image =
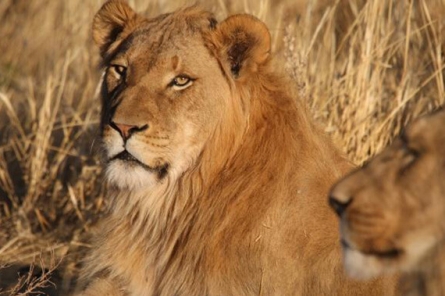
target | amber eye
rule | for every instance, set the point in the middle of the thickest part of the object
(118, 71)
(181, 82)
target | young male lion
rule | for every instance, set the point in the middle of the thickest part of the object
(392, 211)
(217, 178)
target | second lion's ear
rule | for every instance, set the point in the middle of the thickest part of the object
(243, 42)
(112, 21)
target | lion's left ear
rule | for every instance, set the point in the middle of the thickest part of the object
(243, 42)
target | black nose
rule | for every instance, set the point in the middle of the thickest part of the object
(338, 206)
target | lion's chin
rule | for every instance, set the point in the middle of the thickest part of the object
(131, 175)
(367, 265)
(361, 266)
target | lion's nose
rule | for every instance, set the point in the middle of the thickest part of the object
(339, 206)
(126, 130)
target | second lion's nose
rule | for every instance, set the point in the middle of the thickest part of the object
(338, 206)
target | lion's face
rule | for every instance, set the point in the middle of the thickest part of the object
(165, 90)
(392, 210)
(161, 107)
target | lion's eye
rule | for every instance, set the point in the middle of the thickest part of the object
(411, 152)
(407, 148)
(118, 71)
(181, 82)
(410, 155)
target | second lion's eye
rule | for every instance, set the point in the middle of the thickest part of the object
(409, 154)
(407, 147)
(181, 82)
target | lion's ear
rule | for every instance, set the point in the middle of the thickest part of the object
(114, 18)
(243, 41)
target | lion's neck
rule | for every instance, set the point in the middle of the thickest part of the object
(435, 274)
(149, 219)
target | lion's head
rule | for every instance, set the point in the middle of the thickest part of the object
(170, 84)
(392, 210)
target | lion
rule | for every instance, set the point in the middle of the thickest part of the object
(392, 211)
(216, 175)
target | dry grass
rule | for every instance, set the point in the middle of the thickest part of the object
(366, 68)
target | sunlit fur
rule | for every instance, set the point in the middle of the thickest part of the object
(241, 209)
(397, 205)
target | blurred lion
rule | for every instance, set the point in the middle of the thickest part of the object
(392, 211)
(217, 178)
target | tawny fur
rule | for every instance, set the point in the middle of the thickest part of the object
(393, 209)
(236, 201)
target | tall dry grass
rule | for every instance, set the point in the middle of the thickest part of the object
(365, 68)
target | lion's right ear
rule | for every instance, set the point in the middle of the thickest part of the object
(243, 43)
(115, 20)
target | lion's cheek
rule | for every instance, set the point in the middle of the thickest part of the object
(417, 245)
(188, 144)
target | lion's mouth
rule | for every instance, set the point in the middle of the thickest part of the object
(387, 254)
(127, 157)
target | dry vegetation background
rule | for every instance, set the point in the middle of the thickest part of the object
(365, 68)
